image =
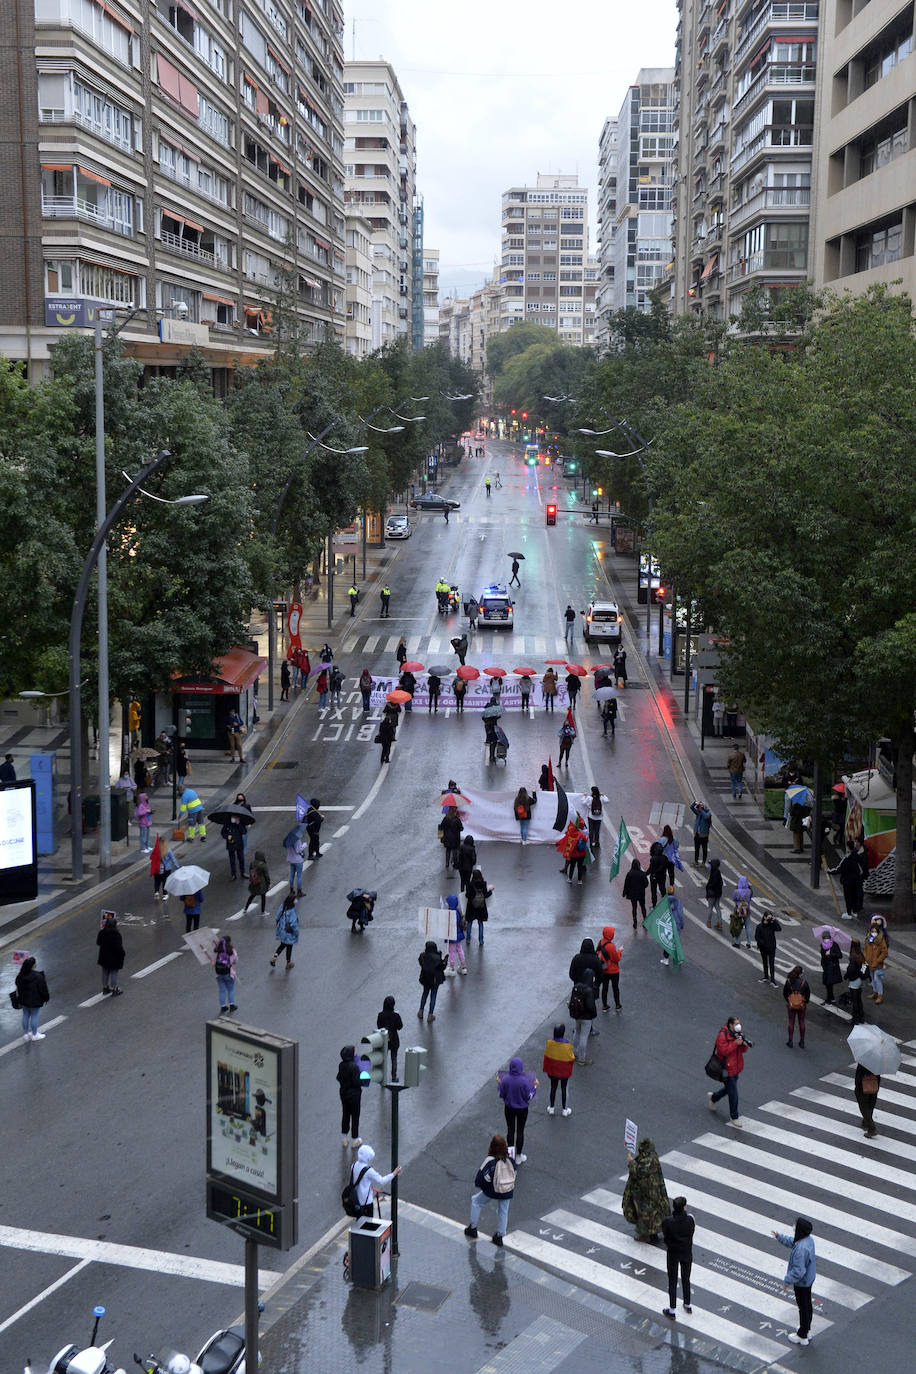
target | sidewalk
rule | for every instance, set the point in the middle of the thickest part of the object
(458, 1306)
(215, 778)
(765, 840)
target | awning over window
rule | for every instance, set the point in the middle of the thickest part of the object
(321, 243)
(310, 281)
(118, 18)
(283, 168)
(234, 672)
(710, 267)
(187, 96)
(169, 79)
(57, 166)
(94, 176)
(220, 300)
(183, 219)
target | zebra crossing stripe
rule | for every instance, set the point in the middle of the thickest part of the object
(886, 1144)
(813, 1178)
(700, 1277)
(859, 1164)
(618, 1285)
(858, 1263)
(850, 1107)
(792, 1203)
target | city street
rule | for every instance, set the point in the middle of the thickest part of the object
(103, 1134)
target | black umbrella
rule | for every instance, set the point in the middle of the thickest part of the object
(516, 555)
(361, 892)
(562, 808)
(225, 814)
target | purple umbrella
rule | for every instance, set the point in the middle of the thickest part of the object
(841, 937)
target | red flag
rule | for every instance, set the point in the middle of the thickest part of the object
(570, 720)
(550, 775)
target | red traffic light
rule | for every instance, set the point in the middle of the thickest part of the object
(513, 412)
(551, 514)
(524, 415)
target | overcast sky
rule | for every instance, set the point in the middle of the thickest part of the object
(500, 90)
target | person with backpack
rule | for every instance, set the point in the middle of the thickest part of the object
(31, 995)
(796, 992)
(740, 919)
(658, 870)
(714, 886)
(258, 881)
(450, 828)
(192, 902)
(286, 931)
(224, 960)
(476, 909)
(456, 945)
(432, 976)
(634, 889)
(524, 800)
(593, 814)
(517, 1090)
(765, 940)
(364, 1181)
(610, 957)
(365, 686)
(335, 682)
(495, 1181)
(583, 1011)
(467, 860)
(459, 689)
(609, 716)
(111, 955)
(559, 1058)
(566, 734)
(389, 1020)
(350, 1087)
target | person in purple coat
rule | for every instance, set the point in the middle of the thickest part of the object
(517, 1090)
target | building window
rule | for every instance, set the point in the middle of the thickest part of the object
(94, 19)
(107, 284)
(881, 147)
(59, 277)
(214, 122)
(875, 247)
(887, 52)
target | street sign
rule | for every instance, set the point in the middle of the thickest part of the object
(75, 312)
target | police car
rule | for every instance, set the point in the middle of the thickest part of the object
(495, 607)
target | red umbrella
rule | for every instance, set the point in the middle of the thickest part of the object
(525, 672)
(602, 667)
(413, 668)
(397, 696)
(468, 673)
(577, 669)
(453, 799)
(554, 660)
(495, 672)
(839, 787)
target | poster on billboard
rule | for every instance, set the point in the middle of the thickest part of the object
(18, 848)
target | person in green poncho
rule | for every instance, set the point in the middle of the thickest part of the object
(645, 1197)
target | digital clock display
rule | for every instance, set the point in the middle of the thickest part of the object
(244, 1213)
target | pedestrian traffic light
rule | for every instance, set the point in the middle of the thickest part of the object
(571, 467)
(524, 415)
(512, 412)
(377, 1054)
(551, 514)
(414, 1066)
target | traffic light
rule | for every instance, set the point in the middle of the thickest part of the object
(414, 1066)
(601, 491)
(524, 415)
(512, 412)
(570, 467)
(551, 514)
(377, 1055)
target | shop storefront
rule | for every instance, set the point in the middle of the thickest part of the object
(201, 708)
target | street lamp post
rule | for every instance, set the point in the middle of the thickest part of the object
(93, 558)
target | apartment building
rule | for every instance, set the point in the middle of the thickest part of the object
(430, 296)
(380, 172)
(607, 231)
(745, 97)
(544, 249)
(455, 327)
(181, 162)
(358, 331)
(863, 215)
(638, 251)
(417, 323)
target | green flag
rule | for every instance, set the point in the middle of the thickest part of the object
(661, 925)
(620, 848)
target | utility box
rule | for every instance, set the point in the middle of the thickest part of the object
(370, 1252)
(119, 815)
(92, 811)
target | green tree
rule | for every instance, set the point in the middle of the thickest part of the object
(502, 347)
(786, 488)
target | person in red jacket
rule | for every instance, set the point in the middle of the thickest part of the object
(558, 1066)
(610, 956)
(730, 1047)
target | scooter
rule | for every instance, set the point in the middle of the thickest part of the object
(224, 1353)
(454, 600)
(92, 1360)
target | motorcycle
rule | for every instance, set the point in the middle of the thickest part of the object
(442, 600)
(454, 600)
(224, 1353)
(91, 1360)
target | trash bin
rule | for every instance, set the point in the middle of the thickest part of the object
(370, 1252)
(119, 815)
(92, 813)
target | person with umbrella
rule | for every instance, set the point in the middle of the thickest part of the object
(193, 901)
(435, 686)
(286, 930)
(295, 855)
(233, 835)
(450, 828)
(524, 687)
(609, 710)
(572, 686)
(549, 689)
(831, 974)
(514, 577)
(387, 733)
(459, 688)
(408, 683)
(460, 645)
(313, 823)
(867, 1087)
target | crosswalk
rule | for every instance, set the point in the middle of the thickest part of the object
(860, 1196)
(493, 645)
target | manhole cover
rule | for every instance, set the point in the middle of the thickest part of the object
(424, 1297)
(287, 763)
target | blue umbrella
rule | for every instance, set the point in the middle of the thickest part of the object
(800, 795)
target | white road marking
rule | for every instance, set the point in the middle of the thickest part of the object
(370, 796)
(42, 1026)
(129, 1257)
(787, 1111)
(89, 1002)
(618, 1285)
(151, 968)
(45, 1293)
(292, 808)
(277, 887)
(342, 831)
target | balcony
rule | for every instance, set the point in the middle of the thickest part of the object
(770, 260)
(187, 247)
(780, 74)
(773, 136)
(770, 198)
(77, 207)
(795, 13)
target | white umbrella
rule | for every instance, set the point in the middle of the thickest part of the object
(187, 880)
(605, 693)
(874, 1049)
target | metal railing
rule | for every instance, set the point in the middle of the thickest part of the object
(186, 247)
(76, 207)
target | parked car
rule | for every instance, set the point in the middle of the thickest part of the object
(398, 527)
(432, 502)
(603, 623)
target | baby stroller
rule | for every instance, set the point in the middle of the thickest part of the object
(359, 912)
(502, 745)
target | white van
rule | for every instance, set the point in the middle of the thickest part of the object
(603, 623)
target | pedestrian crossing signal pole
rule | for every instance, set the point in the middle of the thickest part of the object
(414, 1068)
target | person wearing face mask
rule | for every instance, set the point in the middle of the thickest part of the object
(730, 1047)
(801, 1273)
(875, 952)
